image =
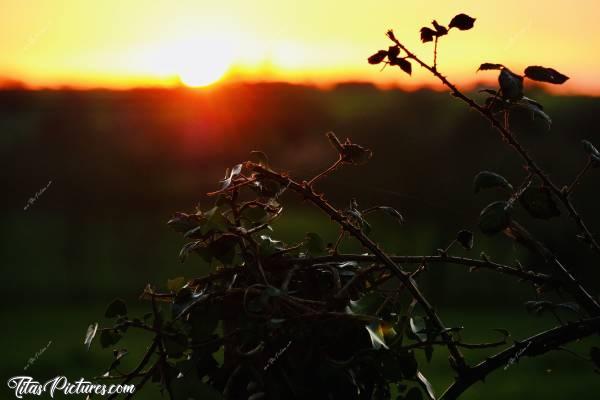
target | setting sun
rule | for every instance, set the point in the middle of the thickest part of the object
(202, 62)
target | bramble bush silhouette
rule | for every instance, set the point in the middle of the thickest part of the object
(306, 321)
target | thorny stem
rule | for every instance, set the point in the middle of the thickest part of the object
(435, 45)
(533, 346)
(529, 276)
(589, 302)
(512, 141)
(319, 200)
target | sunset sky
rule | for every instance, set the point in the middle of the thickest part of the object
(127, 43)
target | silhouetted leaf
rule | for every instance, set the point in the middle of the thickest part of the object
(90, 335)
(404, 65)
(490, 66)
(109, 338)
(440, 30)
(182, 222)
(314, 244)
(511, 85)
(541, 306)
(391, 212)
(543, 74)
(535, 108)
(378, 57)
(465, 238)
(462, 22)
(592, 151)
(427, 34)
(393, 52)
(116, 308)
(349, 152)
(488, 179)
(494, 218)
(539, 203)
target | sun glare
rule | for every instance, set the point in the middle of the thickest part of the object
(201, 61)
(203, 73)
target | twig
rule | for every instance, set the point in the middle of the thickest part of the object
(327, 171)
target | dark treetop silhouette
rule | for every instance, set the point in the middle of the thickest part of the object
(345, 325)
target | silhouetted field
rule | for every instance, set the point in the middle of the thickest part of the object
(121, 163)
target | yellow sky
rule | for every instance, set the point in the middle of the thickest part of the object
(149, 42)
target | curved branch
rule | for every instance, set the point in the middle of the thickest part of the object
(533, 346)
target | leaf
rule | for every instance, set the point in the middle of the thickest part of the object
(314, 243)
(376, 335)
(355, 154)
(377, 57)
(511, 84)
(116, 308)
(391, 212)
(465, 238)
(229, 175)
(418, 328)
(539, 203)
(490, 66)
(109, 338)
(404, 65)
(462, 22)
(182, 222)
(543, 74)
(494, 218)
(176, 283)
(90, 334)
(426, 385)
(535, 108)
(593, 152)
(488, 179)
(439, 29)
(393, 52)
(541, 306)
(427, 34)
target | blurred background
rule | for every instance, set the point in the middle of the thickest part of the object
(115, 116)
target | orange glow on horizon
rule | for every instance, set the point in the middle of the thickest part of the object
(125, 44)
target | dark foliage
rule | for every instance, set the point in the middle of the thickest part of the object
(279, 320)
